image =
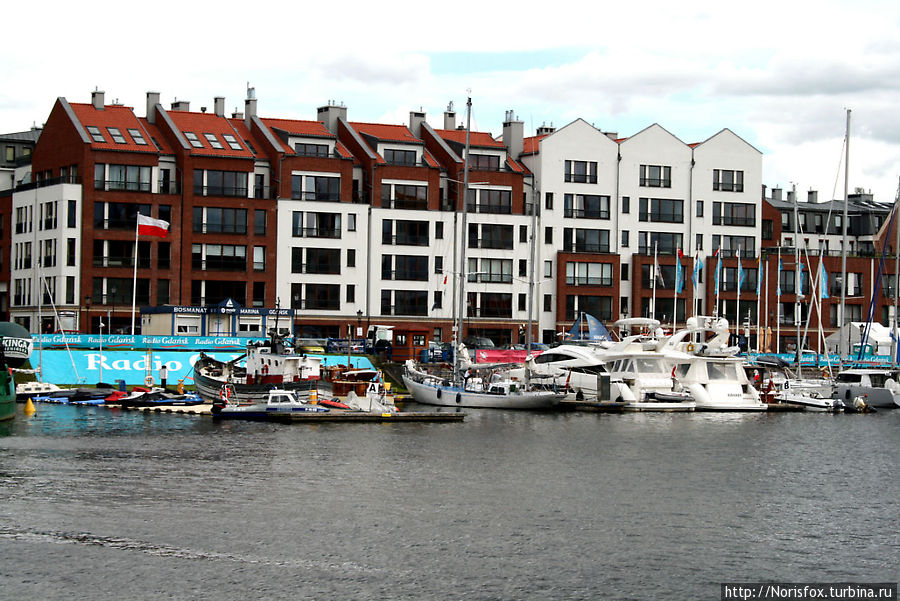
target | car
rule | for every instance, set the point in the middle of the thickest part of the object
(479, 342)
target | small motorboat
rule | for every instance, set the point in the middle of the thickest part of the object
(278, 404)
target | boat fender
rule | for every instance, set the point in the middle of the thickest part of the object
(148, 380)
(225, 393)
(439, 393)
(458, 398)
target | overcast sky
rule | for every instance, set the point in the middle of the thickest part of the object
(779, 74)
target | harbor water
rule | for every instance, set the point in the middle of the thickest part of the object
(107, 504)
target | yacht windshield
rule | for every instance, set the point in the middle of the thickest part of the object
(646, 365)
(721, 371)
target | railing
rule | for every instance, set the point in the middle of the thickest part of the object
(169, 187)
(316, 232)
(736, 221)
(488, 208)
(495, 244)
(230, 191)
(581, 178)
(589, 281)
(320, 196)
(53, 181)
(490, 278)
(417, 205)
(118, 184)
(405, 240)
(207, 265)
(405, 276)
(586, 214)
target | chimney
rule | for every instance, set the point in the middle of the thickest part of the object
(219, 106)
(776, 193)
(181, 105)
(97, 99)
(250, 106)
(450, 117)
(152, 101)
(543, 130)
(329, 115)
(416, 119)
(513, 135)
(790, 196)
(812, 197)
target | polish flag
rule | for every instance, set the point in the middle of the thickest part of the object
(148, 226)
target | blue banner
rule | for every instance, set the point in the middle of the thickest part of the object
(124, 341)
(84, 366)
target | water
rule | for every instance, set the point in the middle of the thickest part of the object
(105, 504)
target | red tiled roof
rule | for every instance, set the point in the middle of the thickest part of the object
(156, 134)
(391, 133)
(476, 138)
(431, 161)
(210, 123)
(300, 128)
(117, 116)
(515, 165)
(532, 145)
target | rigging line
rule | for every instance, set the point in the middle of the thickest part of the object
(838, 174)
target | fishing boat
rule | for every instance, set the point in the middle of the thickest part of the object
(264, 365)
(275, 404)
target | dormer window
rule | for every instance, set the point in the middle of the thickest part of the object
(213, 141)
(117, 136)
(137, 137)
(232, 142)
(313, 150)
(406, 158)
(96, 135)
(484, 162)
(193, 139)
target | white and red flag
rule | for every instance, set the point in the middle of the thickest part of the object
(148, 226)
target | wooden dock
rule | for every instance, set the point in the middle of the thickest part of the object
(594, 406)
(335, 415)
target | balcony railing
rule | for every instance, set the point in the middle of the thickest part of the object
(405, 240)
(319, 196)
(230, 191)
(504, 209)
(586, 213)
(316, 232)
(128, 186)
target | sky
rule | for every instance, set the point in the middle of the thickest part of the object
(781, 75)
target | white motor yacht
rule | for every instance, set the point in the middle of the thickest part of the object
(878, 386)
(719, 384)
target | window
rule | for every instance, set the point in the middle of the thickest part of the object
(498, 271)
(585, 206)
(768, 229)
(548, 303)
(10, 153)
(322, 297)
(661, 210)
(439, 264)
(70, 252)
(259, 222)
(116, 135)
(404, 196)
(667, 243)
(351, 293)
(589, 274)
(351, 257)
(585, 240)
(259, 258)
(404, 233)
(213, 141)
(548, 200)
(489, 201)
(232, 142)
(626, 204)
(96, 134)
(581, 172)
(698, 242)
(734, 213)
(730, 245)
(699, 208)
(656, 176)
(137, 136)
(315, 187)
(624, 273)
(311, 150)
(438, 230)
(221, 183)
(523, 268)
(523, 234)
(351, 222)
(217, 220)
(484, 162)
(223, 257)
(548, 269)
(406, 158)
(728, 181)
(487, 235)
(438, 304)
(193, 139)
(624, 238)
(548, 235)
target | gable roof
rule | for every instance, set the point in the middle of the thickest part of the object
(478, 139)
(386, 133)
(117, 116)
(201, 124)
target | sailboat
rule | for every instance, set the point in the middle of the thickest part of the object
(495, 389)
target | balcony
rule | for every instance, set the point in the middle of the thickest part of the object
(228, 191)
(504, 209)
(586, 214)
(317, 196)
(316, 232)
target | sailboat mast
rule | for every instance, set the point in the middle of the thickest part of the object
(842, 320)
(798, 277)
(463, 240)
(894, 331)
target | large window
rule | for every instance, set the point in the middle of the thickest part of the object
(315, 187)
(489, 201)
(404, 196)
(219, 257)
(322, 297)
(725, 180)
(585, 240)
(734, 213)
(118, 215)
(586, 206)
(218, 220)
(731, 244)
(321, 260)
(598, 306)
(656, 176)
(404, 302)
(404, 232)
(581, 172)
(404, 267)
(667, 243)
(498, 271)
(484, 235)
(484, 162)
(315, 225)
(406, 158)
(589, 274)
(220, 183)
(311, 150)
(661, 210)
(134, 178)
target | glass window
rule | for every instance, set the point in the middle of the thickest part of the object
(193, 139)
(213, 141)
(116, 135)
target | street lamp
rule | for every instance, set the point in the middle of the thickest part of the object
(359, 322)
(87, 316)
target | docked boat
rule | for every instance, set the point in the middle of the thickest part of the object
(265, 365)
(275, 404)
(578, 368)
(157, 397)
(810, 402)
(878, 386)
(476, 391)
(719, 384)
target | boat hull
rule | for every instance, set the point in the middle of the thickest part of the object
(659, 406)
(7, 395)
(210, 388)
(454, 396)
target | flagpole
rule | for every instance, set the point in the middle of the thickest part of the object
(766, 309)
(759, 275)
(778, 305)
(134, 283)
(655, 265)
(737, 310)
(675, 295)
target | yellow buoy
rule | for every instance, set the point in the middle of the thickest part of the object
(29, 408)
